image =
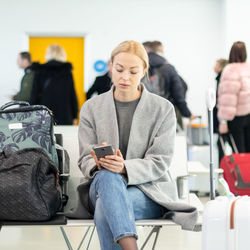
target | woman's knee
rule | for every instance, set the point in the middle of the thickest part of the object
(108, 177)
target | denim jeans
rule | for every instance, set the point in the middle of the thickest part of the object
(117, 206)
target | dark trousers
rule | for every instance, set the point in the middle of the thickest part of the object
(239, 127)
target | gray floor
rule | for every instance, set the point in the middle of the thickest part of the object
(50, 238)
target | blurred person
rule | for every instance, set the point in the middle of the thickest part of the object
(147, 45)
(101, 84)
(53, 86)
(234, 98)
(174, 87)
(157, 47)
(218, 68)
(24, 62)
(135, 182)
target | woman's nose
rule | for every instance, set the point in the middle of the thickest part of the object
(125, 75)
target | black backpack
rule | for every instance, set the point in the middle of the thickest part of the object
(155, 82)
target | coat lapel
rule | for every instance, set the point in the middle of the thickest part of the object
(112, 132)
(136, 132)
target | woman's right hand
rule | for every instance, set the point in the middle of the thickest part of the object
(92, 152)
(95, 158)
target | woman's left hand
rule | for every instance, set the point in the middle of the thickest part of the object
(114, 163)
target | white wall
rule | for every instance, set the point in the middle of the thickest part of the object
(237, 22)
(192, 32)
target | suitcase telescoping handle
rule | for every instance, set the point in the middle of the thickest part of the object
(200, 139)
(236, 151)
(9, 104)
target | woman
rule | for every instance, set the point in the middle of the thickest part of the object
(53, 86)
(220, 64)
(234, 98)
(134, 183)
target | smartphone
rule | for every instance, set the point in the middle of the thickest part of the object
(102, 151)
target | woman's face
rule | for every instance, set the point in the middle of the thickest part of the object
(127, 72)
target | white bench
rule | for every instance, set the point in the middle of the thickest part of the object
(178, 168)
(70, 143)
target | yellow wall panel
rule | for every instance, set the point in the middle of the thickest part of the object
(74, 47)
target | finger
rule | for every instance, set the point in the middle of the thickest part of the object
(114, 158)
(111, 168)
(95, 158)
(119, 153)
(104, 143)
(114, 165)
(111, 162)
(92, 153)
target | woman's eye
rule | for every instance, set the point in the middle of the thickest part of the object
(119, 70)
(133, 73)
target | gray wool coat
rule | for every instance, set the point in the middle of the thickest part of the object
(149, 152)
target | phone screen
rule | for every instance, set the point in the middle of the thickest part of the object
(102, 151)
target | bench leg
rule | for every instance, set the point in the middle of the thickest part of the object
(90, 239)
(66, 238)
(80, 245)
(83, 238)
(156, 236)
(156, 229)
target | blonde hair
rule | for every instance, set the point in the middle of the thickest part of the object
(222, 63)
(132, 47)
(56, 52)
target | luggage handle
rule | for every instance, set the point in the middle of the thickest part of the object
(197, 117)
(20, 103)
(232, 142)
(200, 128)
(65, 158)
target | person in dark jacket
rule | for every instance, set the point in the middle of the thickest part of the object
(53, 86)
(173, 85)
(101, 84)
(24, 62)
(218, 68)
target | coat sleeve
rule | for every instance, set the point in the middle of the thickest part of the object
(158, 155)
(174, 86)
(74, 102)
(93, 88)
(87, 139)
(26, 86)
(36, 90)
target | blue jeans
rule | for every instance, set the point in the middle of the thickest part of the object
(117, 206)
